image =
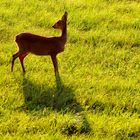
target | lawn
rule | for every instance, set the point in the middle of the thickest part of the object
(96, 96)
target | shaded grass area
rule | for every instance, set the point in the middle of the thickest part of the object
(96, 95)
(40, 97)
(63, 101)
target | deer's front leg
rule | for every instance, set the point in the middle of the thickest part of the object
(55, 64)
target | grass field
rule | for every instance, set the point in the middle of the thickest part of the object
(99, 97)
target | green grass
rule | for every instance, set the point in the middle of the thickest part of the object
(97, 95)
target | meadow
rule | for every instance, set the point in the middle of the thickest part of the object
(98, 92)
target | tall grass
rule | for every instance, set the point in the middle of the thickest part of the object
(97, 95)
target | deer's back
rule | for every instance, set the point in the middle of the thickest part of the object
(38, 44)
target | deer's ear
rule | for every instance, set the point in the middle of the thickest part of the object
(66, 13)
(64, 17)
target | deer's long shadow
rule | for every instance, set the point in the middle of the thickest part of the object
(60, 98)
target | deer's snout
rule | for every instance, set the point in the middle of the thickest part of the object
(53, 26)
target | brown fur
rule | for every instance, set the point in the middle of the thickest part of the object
(39, 45)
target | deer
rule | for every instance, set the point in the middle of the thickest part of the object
(40, 45)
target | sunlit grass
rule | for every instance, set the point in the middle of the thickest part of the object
(97, 93)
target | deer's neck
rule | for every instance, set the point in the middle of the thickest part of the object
(64, 34)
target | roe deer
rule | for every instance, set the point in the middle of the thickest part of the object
(39, 45)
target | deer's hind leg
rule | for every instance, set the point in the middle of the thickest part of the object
(16, 55)
(21, 58)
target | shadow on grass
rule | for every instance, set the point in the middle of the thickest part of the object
(59, 98)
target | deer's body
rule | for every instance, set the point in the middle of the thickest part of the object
(39, 45)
